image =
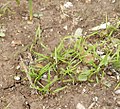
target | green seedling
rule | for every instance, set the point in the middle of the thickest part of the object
(59, 89)
(18, 2)
(63, 63)
(30, 9)
(30, 6)
(8, 105)
(5, 9)
(117, 86)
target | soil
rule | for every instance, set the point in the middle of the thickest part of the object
(84, 14)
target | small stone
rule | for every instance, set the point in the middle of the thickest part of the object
(2, 40)
(44, 76)
(88, 1)
(17, 78)
(2, 34)
(51, 30)
(117, 92)
(100, 27)
(25, 18)
(95, 99)
(83, 91)
(100, 52)
(68, 5)
(25, 27)
(65, 27)
(78, 32)
(28, 36)
(43, 107)
(118, 103)
(30, 22)
(26, 103)
(80, 106)
(18, 67)
(37, 15)
(109, 73)
(113, 1)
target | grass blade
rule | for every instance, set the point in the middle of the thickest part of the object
(30, 9)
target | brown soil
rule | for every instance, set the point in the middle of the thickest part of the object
(84, 14)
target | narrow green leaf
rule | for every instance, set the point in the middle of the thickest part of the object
(18, 2)
(30, 9)
(59, 89)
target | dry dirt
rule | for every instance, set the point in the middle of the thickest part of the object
(84, 14)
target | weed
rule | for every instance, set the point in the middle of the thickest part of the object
(18, 2)
(5, 9)
(30, 8)
(74, 60)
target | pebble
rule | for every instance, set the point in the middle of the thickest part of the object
(113, 1)
(83, 91)
(117, 92)
(68, 5)
(44, 76)
(28, 36)
(88, 1)
(109, 73)
(100, 52)
(95, 99)
(80, 106)
(17, 78)
(43, 107)
(18, 67)
(78, 32)
(65, 27)
(100, 27)
(2, 34)
(30, 22)
(118, 103)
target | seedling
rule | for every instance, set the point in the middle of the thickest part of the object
(74, 60)
(30, 9)
(18, 2)
(5, 9)
(30, 6)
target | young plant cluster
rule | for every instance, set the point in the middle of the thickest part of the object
(76, 60)
(6, 8)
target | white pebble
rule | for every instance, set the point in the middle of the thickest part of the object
(100, 27)
(78, 32)
(68, 5)
(113, 1)
(80, 106)
(45, 76)
(65, 27)
(100, 52)
(17, 78)
(83, 91)
(95, 99)
(18, 67)
(117, 91)
(88, 1)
